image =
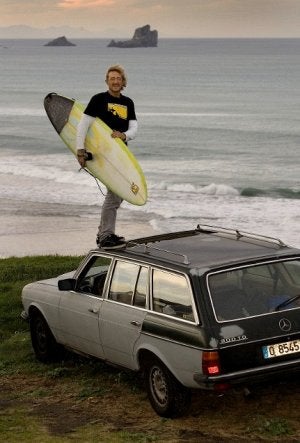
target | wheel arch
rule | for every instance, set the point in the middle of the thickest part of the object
(168, 397)
(146, 355)
(43, 341)
(35, 310)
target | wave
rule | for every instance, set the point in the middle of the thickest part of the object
(274, 193)
(211, 189)
(227, 190)
(64, 170)
(35, 112)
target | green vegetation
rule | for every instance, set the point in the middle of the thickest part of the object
(25, 382)
(272, 426)
(16, 273)
(82, 400)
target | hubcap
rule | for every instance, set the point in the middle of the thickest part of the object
(159, 386)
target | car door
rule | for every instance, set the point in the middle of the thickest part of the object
(123, 312)
(79, 309)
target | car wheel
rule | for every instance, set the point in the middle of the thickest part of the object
(43, 342)
(168, 397)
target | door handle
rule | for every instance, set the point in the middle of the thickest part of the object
(135, 323)
(93, 311)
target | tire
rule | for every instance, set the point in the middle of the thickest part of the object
(168, 397)
(43, 342)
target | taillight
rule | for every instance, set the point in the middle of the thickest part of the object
(211, 363)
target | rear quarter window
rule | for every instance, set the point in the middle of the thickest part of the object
(172, 295)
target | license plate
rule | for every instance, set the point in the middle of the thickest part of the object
(280, 349)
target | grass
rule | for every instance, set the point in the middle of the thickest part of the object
(36, 382)
(271, 426)
(16, 273)
(81, 400)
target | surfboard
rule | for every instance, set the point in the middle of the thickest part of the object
(112, 162)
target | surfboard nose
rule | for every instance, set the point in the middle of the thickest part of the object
(58, 109)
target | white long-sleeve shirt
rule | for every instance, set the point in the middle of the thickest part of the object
(87, 120)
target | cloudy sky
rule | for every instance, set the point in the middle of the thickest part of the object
(172, 18)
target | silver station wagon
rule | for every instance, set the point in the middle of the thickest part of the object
(206, 308)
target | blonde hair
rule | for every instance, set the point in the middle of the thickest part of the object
(120, 70)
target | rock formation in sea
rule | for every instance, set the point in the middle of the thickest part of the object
(60, 41)
(142, 38)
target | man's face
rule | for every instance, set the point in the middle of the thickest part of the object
(115, 82)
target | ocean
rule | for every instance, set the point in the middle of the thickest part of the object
(218, 139)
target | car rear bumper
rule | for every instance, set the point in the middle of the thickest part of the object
(253, 375)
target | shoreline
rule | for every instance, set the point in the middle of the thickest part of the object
(29, 229)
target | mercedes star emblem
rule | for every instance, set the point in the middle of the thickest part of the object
(285, 325)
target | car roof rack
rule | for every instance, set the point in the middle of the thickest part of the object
(147, 249)
(240, 234)
(161, 237)
(143, 242)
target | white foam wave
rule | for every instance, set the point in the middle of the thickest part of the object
(35, 112)
(171, 206)
(167, 209)
(221, 189)
(56, 168)
(273, 217)
(211, 189)
(63, 169)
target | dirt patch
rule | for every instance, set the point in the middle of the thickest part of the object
(268, 414)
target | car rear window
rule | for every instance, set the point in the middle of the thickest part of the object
(255, 290)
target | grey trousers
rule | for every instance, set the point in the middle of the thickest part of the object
(110, 206)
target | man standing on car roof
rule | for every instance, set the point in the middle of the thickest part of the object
(118, 112)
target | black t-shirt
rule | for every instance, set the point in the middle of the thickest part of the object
(114, 111)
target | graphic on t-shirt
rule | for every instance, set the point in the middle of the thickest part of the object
(118, 110)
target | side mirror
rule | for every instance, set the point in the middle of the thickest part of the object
(68, 284)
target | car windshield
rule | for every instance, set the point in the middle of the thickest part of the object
(255, 290)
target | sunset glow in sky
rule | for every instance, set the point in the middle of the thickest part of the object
(172, 18)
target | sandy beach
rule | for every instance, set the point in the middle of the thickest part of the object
(40, 229)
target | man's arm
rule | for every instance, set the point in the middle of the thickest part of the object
(82, 129)
(129, 134)
(132, 130)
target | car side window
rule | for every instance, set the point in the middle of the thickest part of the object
(93, 277)
(129, 284)
(172, 295)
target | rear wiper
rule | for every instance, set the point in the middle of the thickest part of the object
(287, 302)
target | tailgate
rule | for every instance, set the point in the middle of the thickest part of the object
(262, 342)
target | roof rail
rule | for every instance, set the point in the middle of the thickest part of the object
(148, 249)
(240, 234)
(161, 237)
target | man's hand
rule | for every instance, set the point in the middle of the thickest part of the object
(118, 134)
(81, 157)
